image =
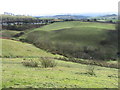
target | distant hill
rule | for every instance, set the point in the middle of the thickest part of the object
(107, 17)
(111, 15)
(64, 17)
(70, 17)
(78, 16)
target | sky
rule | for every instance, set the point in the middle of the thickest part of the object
(53, 7)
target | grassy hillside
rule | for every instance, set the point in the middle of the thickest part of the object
(77, 39)
(71, 24)
(64, 75)
(71, 39)
(8, 33)
(12, 48)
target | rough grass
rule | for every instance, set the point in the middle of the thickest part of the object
(74, 31)
(82, 33)
(64, 75)
(100, 36)
(0, 73)
(72, 24)
(8, 33)
(12, 48)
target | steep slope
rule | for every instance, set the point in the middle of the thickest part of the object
(8, 33)
(78, 39)
(12, 48)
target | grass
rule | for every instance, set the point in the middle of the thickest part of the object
(72, 24)
(8, 33)
(75, 31)
(100, 36)
(0, 73)
(64, 75)
(12, 48)
(81, 36)
(78, 32)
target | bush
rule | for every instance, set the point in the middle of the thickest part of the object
(46, 62)
(30, 63)
(90, 70)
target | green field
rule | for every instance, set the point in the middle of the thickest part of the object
(75, 39)
(12, 48)
(72, 24)
(64, 75)
(101, 37)
(8, 33)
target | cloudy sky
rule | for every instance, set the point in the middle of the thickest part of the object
(51, 7)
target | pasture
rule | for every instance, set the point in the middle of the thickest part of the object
(8, 33)
(86, 41)
(16, 49)
(75, 36)
(64, 75)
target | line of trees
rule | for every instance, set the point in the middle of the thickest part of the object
(22, 22)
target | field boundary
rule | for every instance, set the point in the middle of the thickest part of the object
(81, 61)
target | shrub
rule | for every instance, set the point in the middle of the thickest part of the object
(30, 63)
(46, 62)
(90, 70)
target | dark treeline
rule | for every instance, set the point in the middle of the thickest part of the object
(22, 22)
(91, 20)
